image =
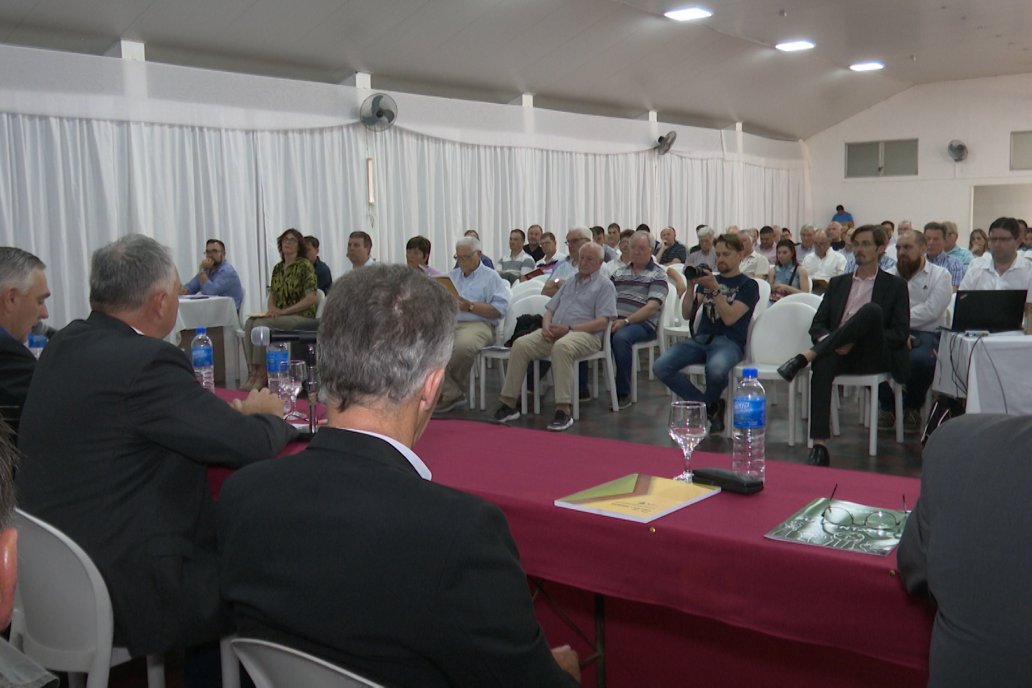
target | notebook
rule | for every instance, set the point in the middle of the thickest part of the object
(995, 310)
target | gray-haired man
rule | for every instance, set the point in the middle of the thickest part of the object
(23, 295)
(432, 592)
(118, 437)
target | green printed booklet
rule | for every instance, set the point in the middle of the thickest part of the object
(843, 525)
(637, 497)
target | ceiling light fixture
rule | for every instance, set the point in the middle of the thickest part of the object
(688, 14)
(866, 66)
(793, 46)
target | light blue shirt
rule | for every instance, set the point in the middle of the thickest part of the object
(962, 254)
(223, 280)
(564, 270)
(483, 285)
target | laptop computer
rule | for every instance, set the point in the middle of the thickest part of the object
(995, 310)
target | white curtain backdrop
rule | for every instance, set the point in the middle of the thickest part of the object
(70, 185)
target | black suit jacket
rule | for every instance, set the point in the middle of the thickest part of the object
(343, 551)
(116, 436)
(966, 544)
(16, 366)
(891, 295)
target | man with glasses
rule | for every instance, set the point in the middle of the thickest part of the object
(576, 238)
(641, 288)
(482, 301)
(861, 328)
(824, 263)
(216, 277)
(1004, 268)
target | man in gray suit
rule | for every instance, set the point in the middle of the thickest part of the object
(966, 546)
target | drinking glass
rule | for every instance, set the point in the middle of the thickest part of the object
(296, 375)
(688, 426)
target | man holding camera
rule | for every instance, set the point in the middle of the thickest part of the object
(727, 300)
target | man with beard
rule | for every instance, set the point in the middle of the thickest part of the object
(216, 277)
(861, 328)
(930, 290)
(727, 298)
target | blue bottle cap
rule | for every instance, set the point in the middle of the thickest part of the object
(749, 373)
(202, 330)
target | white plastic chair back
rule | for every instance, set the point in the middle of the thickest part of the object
(812, 300)
(781, 333)
(320, 302)
(533, 304)
(276, 666)
(761, 305)
(521, 290)
(63, 616)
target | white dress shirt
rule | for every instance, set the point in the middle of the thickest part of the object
(982, 274)
(831, 265)
(931, 289)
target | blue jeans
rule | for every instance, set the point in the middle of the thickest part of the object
(922, 372)
(622, 341)
(721, 355)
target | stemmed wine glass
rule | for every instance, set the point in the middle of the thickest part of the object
(297, 375)
(688, 427)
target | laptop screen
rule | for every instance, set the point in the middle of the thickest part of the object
(995, 310)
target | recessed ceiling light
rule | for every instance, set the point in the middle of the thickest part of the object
(688, 14)
(793, 46)
(866, 66)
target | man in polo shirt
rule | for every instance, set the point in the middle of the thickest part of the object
(573, 322)
(483, 300)
(753, 264)
(1005, 268)
(930, 290)
(517, 262)
(533, 246)
(641, 288)
(551, 256)
(727, 298)
(935, 242)
(216, 277)
(323, 276)
(953, 248)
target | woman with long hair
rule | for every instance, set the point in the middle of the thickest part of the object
(787, 276)
(978, 243)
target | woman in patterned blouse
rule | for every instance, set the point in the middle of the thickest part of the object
(292, 302)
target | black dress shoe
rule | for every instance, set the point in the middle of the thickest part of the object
(790, 368)
(819, 456)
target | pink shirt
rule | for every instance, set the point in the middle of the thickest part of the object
(859, 295)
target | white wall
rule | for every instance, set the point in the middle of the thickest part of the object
(980, 112)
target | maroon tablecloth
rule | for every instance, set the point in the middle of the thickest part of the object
(709, 560)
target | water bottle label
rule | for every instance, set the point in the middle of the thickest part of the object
(275, 359)
(750, 413)
(201, 357)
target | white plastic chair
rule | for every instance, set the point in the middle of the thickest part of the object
(812, 300)
(521, 290)
(869, 412)
(605, 354)
(777, 335)
(533, 304)
(651, 345)
(320, 303)
(62, 611)
(271, 665)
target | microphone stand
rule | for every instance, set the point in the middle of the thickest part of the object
(313, 391)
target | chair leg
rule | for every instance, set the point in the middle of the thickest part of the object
(471, 394)
(634, 382)
(791, 413)
(537, 387)
(155, 671)
(576, 391)
(611, 383)
(483, 383)
(898, 394)
(871, 411)
(834, 412)
(652, 362)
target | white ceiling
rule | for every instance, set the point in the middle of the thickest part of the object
(598, 56)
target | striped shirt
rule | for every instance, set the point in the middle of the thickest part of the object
(945, 260)
(633, 290)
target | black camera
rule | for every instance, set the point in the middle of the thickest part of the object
(693, 272)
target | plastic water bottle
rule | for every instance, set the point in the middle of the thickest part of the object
(202, 358)
(36, 344)
(277, 354)
(750, 425)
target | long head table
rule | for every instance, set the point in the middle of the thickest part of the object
(709, 559)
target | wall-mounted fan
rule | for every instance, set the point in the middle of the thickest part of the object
(378, 112)
(664, 144)
(958, 150)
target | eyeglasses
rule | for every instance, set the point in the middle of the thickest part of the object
(576, 241)
(458, 256)
(877, 522)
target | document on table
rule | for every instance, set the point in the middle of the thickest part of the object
(637, 497)
(845, 526)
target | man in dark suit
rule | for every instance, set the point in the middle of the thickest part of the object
(348, 551)
(861, 327)
(964, 546)
(23, 295)
(117, 435)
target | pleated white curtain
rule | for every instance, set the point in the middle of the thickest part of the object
(68, 186)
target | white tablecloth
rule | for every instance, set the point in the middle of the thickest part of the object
(212, 311)
(993, 372)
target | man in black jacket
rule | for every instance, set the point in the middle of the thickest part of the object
(861, 327)
(117, 436)
(348, 550)
(23, 295)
